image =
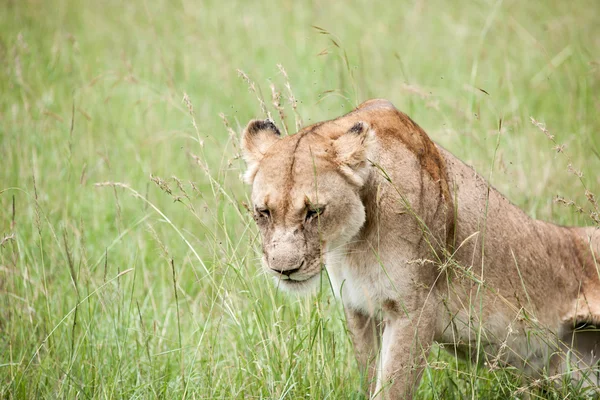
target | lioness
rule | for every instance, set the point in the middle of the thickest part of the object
(420, 249)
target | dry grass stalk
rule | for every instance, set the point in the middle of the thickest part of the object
(569, 203)
(201, 164)
(253, 88)
(233, 136)
(190, 107)
(276, 99)
(594, 213)
(5, 239)
(165, 187)
(163, 247)
(162, 184)
(291, 97)
(179, 184)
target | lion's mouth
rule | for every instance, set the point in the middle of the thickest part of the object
(289, 275)
(298, 283)
(302, 277)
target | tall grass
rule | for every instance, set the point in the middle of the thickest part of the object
(128, 261)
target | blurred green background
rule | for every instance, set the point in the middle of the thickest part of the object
(150, 285)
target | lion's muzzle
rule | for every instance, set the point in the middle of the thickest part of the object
(285, 254)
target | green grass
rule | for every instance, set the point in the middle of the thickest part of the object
(135, 292)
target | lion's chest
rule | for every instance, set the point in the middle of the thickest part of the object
(361, 282)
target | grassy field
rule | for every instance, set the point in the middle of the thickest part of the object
(129, 266)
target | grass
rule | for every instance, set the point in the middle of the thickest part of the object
(149, 285)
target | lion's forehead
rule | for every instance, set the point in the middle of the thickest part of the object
(293, 194)
(301, 146)
(295, 161)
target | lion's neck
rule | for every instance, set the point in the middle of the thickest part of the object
(371, 209)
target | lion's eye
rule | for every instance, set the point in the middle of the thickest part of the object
(314, 212)
(263, 212)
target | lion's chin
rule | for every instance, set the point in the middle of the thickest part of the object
(305, 286)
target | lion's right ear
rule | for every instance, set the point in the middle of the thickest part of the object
(353, 150)
(258, 136)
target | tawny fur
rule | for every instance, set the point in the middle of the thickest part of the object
(420, 249)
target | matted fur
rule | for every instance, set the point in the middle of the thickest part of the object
(420, 248)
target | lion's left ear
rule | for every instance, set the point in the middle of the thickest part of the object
(353, 151)
(258, 136)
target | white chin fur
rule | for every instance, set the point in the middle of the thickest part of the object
(301, 287)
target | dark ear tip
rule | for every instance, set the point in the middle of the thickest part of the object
(358, 128)
(258, 125)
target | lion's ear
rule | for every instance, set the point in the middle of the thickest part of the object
(258, 136)
(352, 151)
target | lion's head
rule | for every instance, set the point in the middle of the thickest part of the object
(306, 193)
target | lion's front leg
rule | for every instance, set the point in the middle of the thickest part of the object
(404, 350)
(365, 332)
